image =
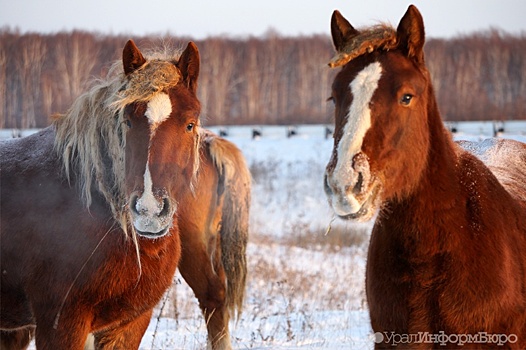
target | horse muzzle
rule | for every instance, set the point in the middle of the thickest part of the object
(152, 217)
(352, 191)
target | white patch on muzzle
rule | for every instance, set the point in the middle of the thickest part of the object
(358, 122)
(148, 218)
(147, 203)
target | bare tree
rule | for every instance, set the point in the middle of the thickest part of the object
(29, 65)
(266, 80)
(3, 85)
(74, 56)
(217, 78)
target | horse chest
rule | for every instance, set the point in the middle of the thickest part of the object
(129, 291)
(400, 280)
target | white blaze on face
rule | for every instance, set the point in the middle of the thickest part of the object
(147, 202)
(148, 205)
(359, 115)
(358, 122)
(159, 109)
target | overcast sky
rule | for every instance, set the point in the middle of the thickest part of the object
(239, 18)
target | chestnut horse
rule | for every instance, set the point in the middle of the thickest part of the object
(213, 223)
(89, 239)
(447, 253)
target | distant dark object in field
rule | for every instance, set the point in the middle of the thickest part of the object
(498, 128)
(292, 131)
(328, 132)
(256, 133)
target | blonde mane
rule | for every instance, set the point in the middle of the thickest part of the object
(91, 136)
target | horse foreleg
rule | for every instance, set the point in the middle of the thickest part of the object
(126, 336)
(69, 333)
(16, 340)
(217, 326)
(207, 280)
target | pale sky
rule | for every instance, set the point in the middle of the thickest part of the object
(240, 18)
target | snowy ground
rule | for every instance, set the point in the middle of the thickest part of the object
(306, 287)
(300, 294)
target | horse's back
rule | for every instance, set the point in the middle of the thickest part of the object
(40, 217)
(506, 158)
(23, 167)
(227, 157)
(28, 151)
(29, 178)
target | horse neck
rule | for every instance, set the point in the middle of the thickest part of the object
(441, 165)
(436, 191)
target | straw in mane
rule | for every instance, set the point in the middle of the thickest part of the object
(364, 41)
(91, 136)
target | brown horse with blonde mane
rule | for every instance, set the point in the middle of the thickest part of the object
(447, 253)
(95, 206)
(213, 223)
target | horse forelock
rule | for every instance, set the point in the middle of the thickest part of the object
(367, 40)
(146, 82)
(91, 135)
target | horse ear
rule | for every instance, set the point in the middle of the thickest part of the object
(411, 34)
(132, 58)
(341, 30)
(189, 66)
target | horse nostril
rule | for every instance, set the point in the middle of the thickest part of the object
(326, 185)
(133, 204)
(358, 186)
(149, 206)
(165, 211)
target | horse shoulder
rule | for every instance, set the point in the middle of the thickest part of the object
(489, 185)
(506, 159)
(493, 176)
(475, 228)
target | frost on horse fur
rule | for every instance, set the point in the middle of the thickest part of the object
(447, 251)
(120, 187)
(69, 265)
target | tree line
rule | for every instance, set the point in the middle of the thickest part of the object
(256, 80)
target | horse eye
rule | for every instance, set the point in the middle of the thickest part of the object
(190, 127)
(406, 99)
(128, 123)
(331, 99)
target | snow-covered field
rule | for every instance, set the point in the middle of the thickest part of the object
(302, 293)
(306, 286)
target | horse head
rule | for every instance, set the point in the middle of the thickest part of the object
(381, 98)
(161, 146)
